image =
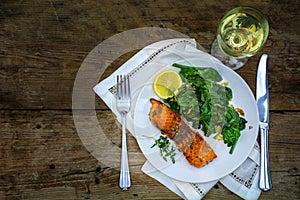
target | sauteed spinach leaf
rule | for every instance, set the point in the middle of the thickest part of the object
(205, 103)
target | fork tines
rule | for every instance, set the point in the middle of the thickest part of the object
(123, 87)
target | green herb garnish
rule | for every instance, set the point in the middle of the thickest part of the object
(165, 148)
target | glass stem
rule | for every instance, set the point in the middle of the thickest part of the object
(229, 61)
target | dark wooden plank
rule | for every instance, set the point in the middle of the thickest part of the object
(41, 152)
(43, 44)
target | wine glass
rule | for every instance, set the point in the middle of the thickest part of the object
(241, 34)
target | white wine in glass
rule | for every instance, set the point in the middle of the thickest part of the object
(241, 34)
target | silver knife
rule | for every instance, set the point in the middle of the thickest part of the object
(262, 101)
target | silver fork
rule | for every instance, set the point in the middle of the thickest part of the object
(123, 107)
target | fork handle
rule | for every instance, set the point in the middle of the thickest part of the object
(124, 181)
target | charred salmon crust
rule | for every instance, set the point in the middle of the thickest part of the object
(195, 149)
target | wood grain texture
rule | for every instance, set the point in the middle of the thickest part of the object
(42, 46)
(44, 43)
(40, 152)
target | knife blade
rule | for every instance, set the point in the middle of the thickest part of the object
(262, 101)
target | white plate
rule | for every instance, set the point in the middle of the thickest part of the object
(225, 163)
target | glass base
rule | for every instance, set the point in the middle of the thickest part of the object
(231, 62)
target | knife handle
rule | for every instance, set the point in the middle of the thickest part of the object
(265, 178)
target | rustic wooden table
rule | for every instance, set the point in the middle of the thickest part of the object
(42, 46)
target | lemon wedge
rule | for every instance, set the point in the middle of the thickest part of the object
(166, 83)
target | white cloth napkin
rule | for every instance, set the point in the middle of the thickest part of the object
(243, 181)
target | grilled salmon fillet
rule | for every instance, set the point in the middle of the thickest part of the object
(195, 149)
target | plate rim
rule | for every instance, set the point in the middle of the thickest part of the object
(241, 160)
